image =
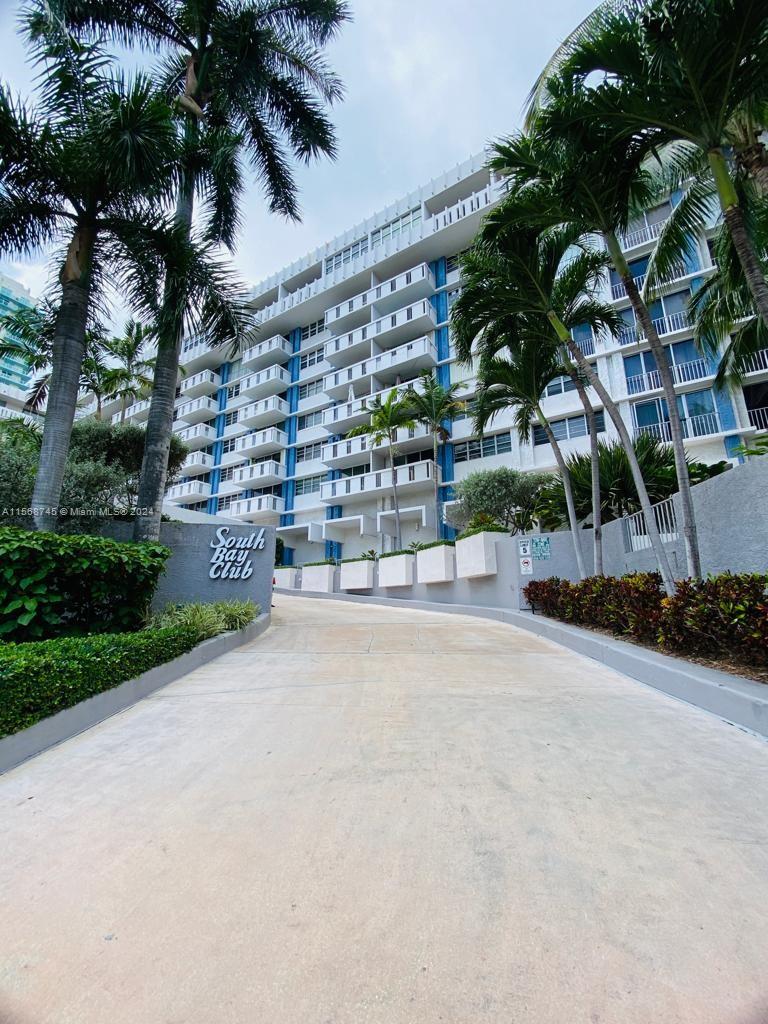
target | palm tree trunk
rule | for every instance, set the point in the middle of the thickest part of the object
(594, 452)
(438, 523)
(398, 534)
(690, 535)
(613, 411)
(66, 366)
(157, 443)
(742, 243)
(570, 504)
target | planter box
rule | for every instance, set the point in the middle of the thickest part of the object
(396, 571)
(318, 578)
(436, 565)
(357, 575)
(285, 577)
(476, 556)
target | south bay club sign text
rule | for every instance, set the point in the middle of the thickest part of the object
(231, 558)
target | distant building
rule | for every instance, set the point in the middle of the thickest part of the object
(14, 372)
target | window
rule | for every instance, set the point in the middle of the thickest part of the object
(309, 451)
(312, 358)
(228, 473)
(453, 294)
(571, 426)
(230, 445)
(396, 226)
(312, 330)
(339, 259)
(225, 503)
(310, 419)
(231, 417)
(494, 444)
(233, 391)
(452, 262)
(309, 484)
(314, 387)
(559, 386)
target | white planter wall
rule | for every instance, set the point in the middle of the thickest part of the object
(396, 571)
(476, 556)
(318, 578)
(286, 578)
(357, 575)
(436, 565)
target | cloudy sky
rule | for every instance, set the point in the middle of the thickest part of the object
(427, 83)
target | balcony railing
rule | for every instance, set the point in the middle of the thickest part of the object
(258, 442)
(197, 410)
(642, 235)
(381, 292)
(664, 325)
(635, 527)
(379, 480)
(198, 436)
(259, 474)
(136, 411)
(272, 350)
(263, 413)
(464, 208)
(203, 383)
(423, 350)
(759, 418)
(197, 462)
(191, 491)
(619, 289)
(693, 426)
(261, 506)
(270, 381)
(421, 314)
(683, 373)
(758, 362)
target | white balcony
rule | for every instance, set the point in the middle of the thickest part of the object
(198, 355)
(196, 463)
(386, 367)
(263, 508)
(758, 362)
(350, 452)
(359, 488)
(758, 418)
(188, 493)
(262, 474)
(619, 289)
(270, 381)
(199, 436)
(642, 235)
(256, 444)
(464, 208)
(138, 412)
(633, 333)
(272, 350)
(683, 373)
(197, 410)
(206, 382)
(693, 427)
(341, 418)
(263, 413)
(416, 283)
(387, 331)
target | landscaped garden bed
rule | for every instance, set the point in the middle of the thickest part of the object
(396, 569)
(721, 621)
(435, 562)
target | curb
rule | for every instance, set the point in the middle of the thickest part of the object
(735, 699)
(70, 722)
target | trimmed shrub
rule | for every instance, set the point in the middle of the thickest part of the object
(52, 585)
(39, 679)
(323, 561)
(207, 620)
(436, 544)
(721, 616)
(492, 528)
(391, 554)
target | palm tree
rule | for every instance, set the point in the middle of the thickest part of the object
(531, 282)
(388, 415)
(89, 161)
(518, 382)
(588, 179)
(434, 406)
(134, 370)
(251, 83)
(677, 71)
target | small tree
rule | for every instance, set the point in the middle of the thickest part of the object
(387, 417)
(505, 496)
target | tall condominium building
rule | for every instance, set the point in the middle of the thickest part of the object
(14, 372)
(368, 312)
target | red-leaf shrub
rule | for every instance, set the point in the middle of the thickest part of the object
(628, 606)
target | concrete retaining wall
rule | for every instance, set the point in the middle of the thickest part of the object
(62, 726)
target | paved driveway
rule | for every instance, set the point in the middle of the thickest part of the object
(378, 816)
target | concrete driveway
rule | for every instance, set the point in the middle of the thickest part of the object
(380, 816)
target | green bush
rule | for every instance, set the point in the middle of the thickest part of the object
(401, 551)
(473, 531)
(721, 616)
(323, 561)
(206, 620)
(39, 679)
(52, 585)
(436, 544)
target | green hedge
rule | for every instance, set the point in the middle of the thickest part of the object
(436, 544)
(52, 585)
(465, 534)
(721, 616)
(39, 679)
(391, 554)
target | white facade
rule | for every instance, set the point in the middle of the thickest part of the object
(369, 311)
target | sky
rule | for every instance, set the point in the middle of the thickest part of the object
(428, 82)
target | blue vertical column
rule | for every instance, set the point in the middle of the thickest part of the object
(443, 344)
(213, 503)
(290, 427)
(333, 547)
